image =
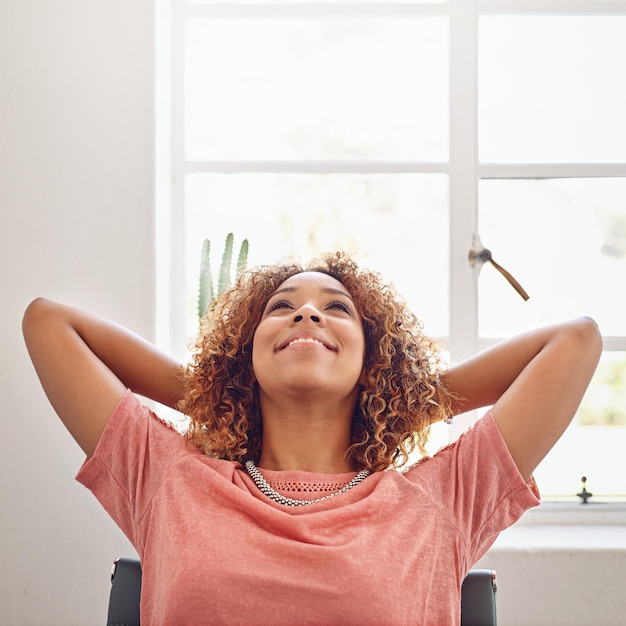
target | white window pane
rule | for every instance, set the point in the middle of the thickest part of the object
(341, 88)
(552, 89)
(396, 224)
(593, 446)
(565, 242)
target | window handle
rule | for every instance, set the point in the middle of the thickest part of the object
(584, 495)
(479, 254)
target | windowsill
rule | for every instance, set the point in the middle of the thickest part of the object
(567, 526)
(598, 513)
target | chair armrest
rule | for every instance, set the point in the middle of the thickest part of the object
(478, 598)
(125, 593)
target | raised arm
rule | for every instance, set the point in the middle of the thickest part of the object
(535, 383)
(85, 364)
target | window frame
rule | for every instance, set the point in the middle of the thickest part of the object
(463, 168)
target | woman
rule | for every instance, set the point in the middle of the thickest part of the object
(307, 384)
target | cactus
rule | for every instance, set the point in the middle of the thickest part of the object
(205, 289)
(223, 280)
(206, 292)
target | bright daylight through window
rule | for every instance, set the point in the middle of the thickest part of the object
(398, 132)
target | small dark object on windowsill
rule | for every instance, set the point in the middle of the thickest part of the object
(584, 495)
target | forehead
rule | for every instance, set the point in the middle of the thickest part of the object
(312, 280)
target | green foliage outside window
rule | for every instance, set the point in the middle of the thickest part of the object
(605, 401)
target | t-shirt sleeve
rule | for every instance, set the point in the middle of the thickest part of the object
(134, 453)
(476, 486)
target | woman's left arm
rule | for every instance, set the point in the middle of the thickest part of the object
(535, 383)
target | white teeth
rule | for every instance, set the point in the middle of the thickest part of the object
(306, 340)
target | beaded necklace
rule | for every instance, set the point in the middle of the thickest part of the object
(265, 488)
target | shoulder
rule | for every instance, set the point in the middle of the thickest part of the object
(131, 418)
(136, 441)
(483, 432)
(477, 462)
(475, 485)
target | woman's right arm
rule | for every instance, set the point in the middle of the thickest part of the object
(85, 364)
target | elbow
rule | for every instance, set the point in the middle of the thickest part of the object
(588, 337)
(590, 330)
(35, 316)
(33, 311)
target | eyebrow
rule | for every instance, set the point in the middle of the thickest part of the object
(328, 290)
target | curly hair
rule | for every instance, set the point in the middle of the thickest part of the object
(401, 396)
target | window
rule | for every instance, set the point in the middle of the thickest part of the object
(399, 131)
(552, 194)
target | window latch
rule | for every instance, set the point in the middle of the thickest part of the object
(478, 255)
(584, 495)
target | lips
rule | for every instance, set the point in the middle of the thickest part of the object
(312, 338)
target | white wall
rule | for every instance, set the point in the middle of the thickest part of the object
(76, 224)
(562, 564)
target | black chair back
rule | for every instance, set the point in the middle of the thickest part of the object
(478, 595)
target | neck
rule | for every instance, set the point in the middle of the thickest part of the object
(307, 438)
(303, 456)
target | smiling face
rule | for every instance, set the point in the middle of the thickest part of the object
(310, 340)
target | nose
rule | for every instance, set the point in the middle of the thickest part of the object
(308, 312)
(313, 318)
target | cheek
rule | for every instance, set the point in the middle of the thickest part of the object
(259, 361)
(259, 346)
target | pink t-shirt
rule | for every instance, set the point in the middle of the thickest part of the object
(215, 550)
